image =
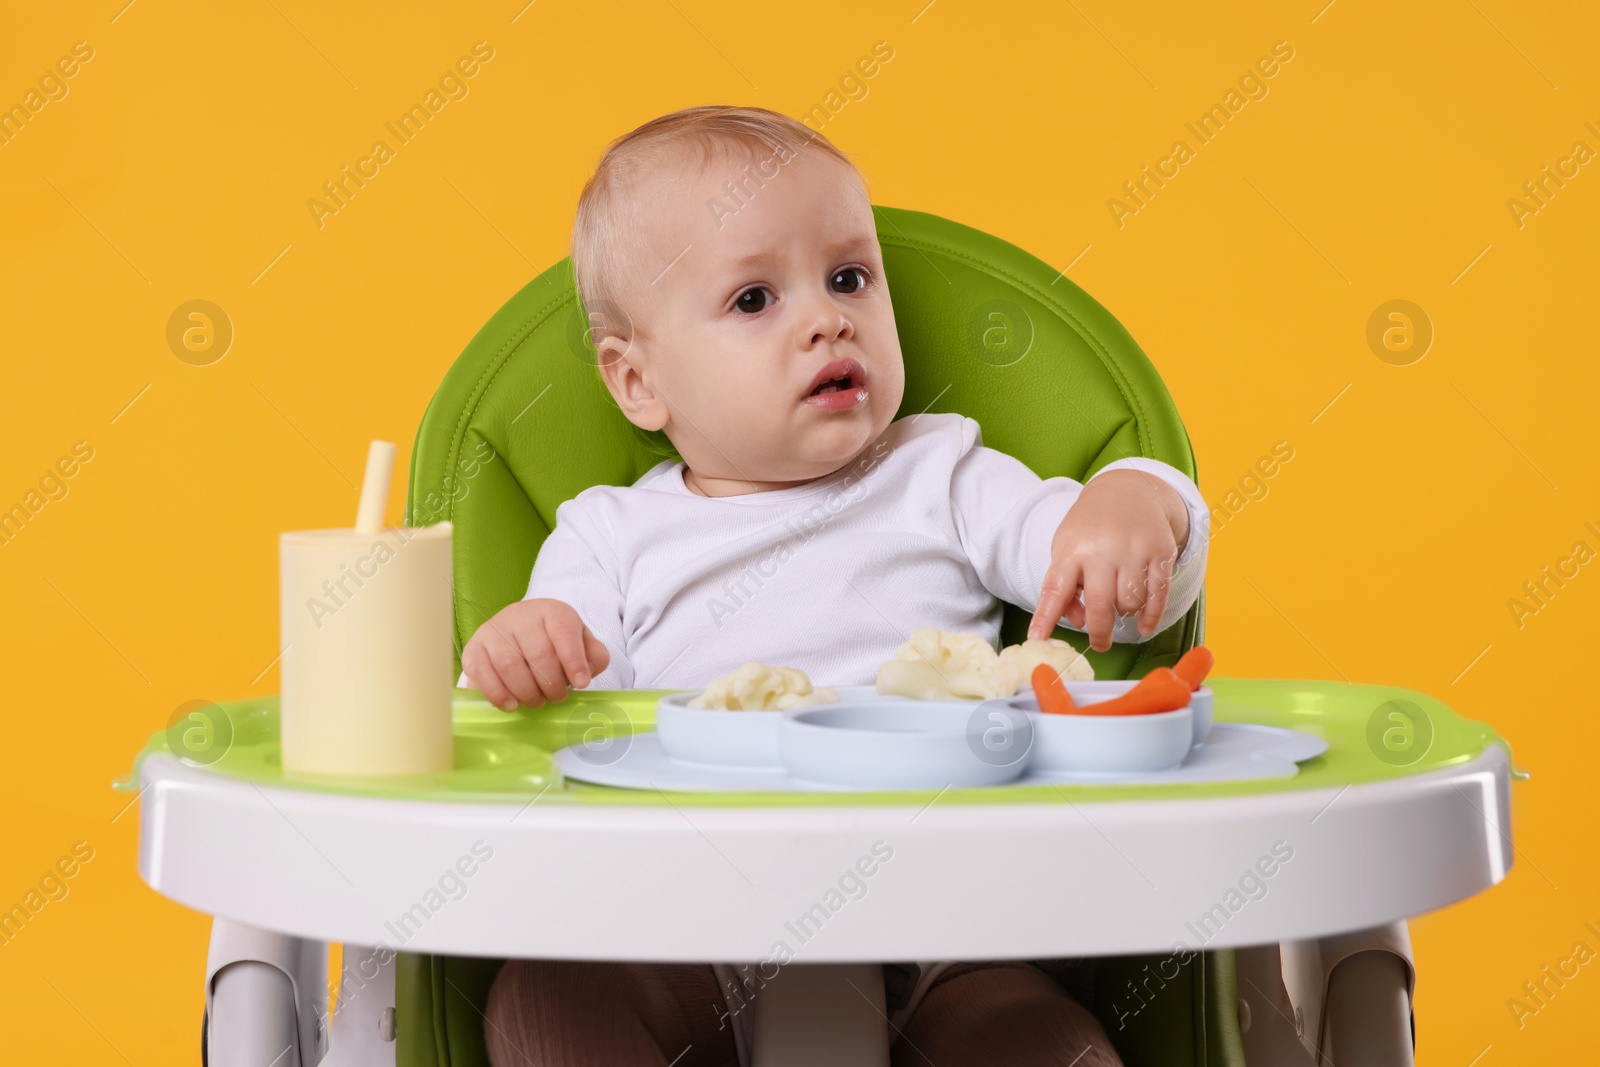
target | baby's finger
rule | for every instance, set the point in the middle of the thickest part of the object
(1059, 589)
(1131, 591)
(481, 673)
(1075, 614)
(1100, 606)
(512, 666)
(547, 670)
(1158, 584)
(599, 655)
(566, 636)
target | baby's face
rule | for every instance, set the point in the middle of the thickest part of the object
(734, 325)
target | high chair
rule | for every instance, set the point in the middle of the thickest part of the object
(522, 423)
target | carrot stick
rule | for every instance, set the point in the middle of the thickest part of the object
(1051, 691)
(1195, 665)
(1160, 690)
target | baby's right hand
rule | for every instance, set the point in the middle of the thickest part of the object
(528, 651)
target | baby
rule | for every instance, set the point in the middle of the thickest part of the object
(806, 527)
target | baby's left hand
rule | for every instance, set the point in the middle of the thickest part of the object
(1119, 543)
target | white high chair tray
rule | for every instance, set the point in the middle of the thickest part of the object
(589, 873)
(1233, 752)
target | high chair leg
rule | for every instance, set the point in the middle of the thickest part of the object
(1353, 991)
(270, 984)
(1369, 1012)
(251, 1021)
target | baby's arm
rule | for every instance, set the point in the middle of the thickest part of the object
(567, 628)
(1024, 534)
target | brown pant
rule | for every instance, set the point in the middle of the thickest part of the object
(561, 1013)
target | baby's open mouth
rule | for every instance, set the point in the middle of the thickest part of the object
(841, 375)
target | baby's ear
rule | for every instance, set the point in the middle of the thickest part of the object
(627, 386)
(610, 330)
(609, 347)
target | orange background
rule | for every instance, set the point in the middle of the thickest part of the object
(1378, 167)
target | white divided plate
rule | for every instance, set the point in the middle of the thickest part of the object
(904, 745)
(1234, 752)
(735, 738)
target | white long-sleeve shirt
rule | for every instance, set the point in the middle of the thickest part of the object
(926, 528)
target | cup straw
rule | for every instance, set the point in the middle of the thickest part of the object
(375, 487)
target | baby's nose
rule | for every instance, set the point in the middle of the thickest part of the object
(831, 328)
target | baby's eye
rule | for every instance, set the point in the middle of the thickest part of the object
(850, 280)
(752, 300)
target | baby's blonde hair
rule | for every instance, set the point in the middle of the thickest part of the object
(608, 207)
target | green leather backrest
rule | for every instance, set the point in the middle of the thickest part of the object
(522, 421)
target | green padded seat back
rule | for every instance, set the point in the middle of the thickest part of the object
(523, 422)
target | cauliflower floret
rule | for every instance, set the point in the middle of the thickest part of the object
(939, 665)
(759, 687)
(1018, 661)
